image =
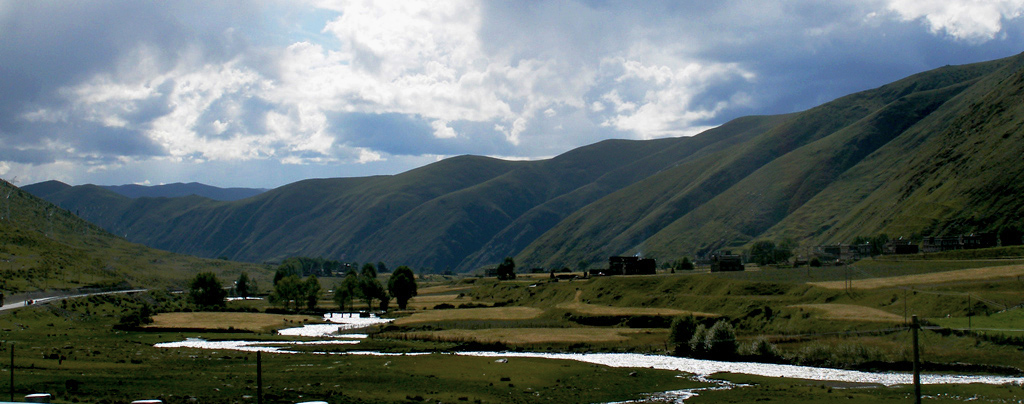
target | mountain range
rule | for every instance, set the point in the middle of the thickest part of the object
(936, 153)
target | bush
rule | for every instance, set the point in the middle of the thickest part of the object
(696, 342)
(762, 351)
(680, 332)
(720, 341)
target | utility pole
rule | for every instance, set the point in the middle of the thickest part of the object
(917, 360)
(259, 378)
(904, 306)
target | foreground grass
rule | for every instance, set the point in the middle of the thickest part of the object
(764, 389)
(75, 354)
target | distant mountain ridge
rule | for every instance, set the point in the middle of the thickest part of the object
(935, 153)
(174, 190)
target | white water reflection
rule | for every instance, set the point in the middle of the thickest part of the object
(338, 322)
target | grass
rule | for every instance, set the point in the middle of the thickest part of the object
(103, 365)
(766, 389)
(534, 336)
(489, 313)
(963, 275)
(850, 312)
(1010, 323)
(255, 322)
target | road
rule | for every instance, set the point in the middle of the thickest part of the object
(51, 299)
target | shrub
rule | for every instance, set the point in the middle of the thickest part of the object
(680, 332)
(763, 351)
(720, 341)
(697, 340)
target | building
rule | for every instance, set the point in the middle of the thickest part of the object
(726, 261)
(631, 266)
(901, 247)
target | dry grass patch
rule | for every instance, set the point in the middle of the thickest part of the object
(517, 336)
(599, 310)
(852, 312)
(489, 313)
(255, 322)
(973, 274)
(443, 289)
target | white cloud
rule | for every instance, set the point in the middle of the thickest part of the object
(667, 105)
(442, 130)
(968, 20)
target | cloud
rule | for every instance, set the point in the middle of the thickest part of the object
(343, 87)
(966, 20)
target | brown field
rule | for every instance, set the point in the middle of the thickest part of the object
(973, 274)
(428, 302)
(598, 310)
(852, 312)
(255, 322)
(534, 335)
(443, 289)
(489, 313)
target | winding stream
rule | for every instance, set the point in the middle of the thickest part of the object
(700, 368)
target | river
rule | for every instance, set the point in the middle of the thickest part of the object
(697, 367)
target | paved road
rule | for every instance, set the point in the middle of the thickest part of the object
(51, 299)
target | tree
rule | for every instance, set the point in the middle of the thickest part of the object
(287, 290)
(369, 270)
(684, 264)
(382, 268)
(346, 290)
(720, 341)
(507, 269)
(243, 286)
(402, 285)
(763, 252)
(370, 288)
(206, 290)
(311, 290)
(680, 332)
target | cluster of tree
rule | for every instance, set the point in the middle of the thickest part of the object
(683, 264)
(292, 291)
(245, 287)
(507, 269)
(363, 285)
(766, 252)
(206, 291)
(877, 242)
(306, 266)
(691, 338)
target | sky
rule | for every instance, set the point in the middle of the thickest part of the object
(265, 93)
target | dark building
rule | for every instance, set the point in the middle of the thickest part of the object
(726, 261)
(631, 266)
(901, 247)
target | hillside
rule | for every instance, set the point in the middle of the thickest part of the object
(46, 248)
(935, 153)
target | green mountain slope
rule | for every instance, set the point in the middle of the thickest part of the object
(935, 153)
(45, 248)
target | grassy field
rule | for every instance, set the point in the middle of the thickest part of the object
(255, 322)
(535, 336)
(850, 312)
(1010, 323)
(962, 275)
(489, 313)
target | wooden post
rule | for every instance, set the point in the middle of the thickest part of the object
(917, 360)
(259, 378)
(12, 372)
